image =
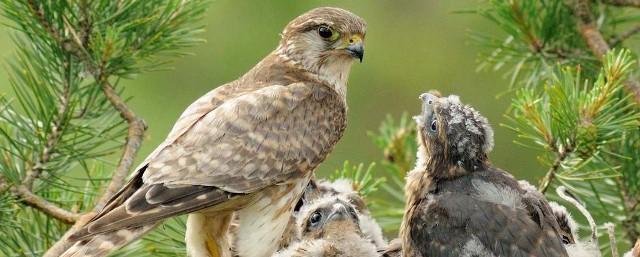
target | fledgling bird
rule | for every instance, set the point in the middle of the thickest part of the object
(458, 203)
(249, 146)
(344, 188)
(576, 248)
(329, 227)
(566, 224)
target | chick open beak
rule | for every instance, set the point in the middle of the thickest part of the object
(356, 47)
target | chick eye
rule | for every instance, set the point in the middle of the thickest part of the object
(434, 125)
(315, 218)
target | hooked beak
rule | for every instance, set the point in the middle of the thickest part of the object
(428, 100)
(356, 47)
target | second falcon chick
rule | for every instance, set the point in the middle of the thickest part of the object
(329, 227)
(458, 203)
(345, 189)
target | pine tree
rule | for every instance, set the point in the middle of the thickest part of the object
(67, 117)
(576, 101)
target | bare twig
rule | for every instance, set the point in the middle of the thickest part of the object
(135, 135)
(588, 28)
(612, 238)
(551, 173)
(624, 36)
(622, 3)
(28, 198)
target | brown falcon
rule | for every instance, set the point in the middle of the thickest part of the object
(458, 203)
(329, 227)
(249, 146)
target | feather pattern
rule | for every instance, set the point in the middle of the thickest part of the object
(240, 143)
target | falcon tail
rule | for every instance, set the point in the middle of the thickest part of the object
(103, 244)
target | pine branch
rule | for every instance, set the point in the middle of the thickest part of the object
(624, 36)
(136, 128)
(623, 3)
(26, 196)
(551, 173)
(73, 114)
(588, 28)
(594, 39)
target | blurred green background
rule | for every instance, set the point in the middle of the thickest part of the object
(411, 47)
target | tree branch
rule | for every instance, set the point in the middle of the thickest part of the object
(594, 39)
(588, 28)
(52, 139)
(28, 198)
(135, 135)
(624, 36)
(136, 125)
(623, 3)
(551, 173)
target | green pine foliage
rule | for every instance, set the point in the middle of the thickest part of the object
(59, 132)
(573, 106)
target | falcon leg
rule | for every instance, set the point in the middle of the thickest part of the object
(206, 235)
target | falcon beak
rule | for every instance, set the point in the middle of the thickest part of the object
(342, 210)
(356, 47)
(428, 100)
(339, 212)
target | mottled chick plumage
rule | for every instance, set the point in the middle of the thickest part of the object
(343, 188)
(329, 227)
(458, 203)
(248, 147)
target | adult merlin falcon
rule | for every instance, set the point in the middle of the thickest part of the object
(249, 147)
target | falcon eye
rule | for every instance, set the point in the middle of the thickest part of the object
(327, 33)
(315, 218)
(434, 125)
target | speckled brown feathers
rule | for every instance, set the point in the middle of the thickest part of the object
(458, 204)
(248, 146)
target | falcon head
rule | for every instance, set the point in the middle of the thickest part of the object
(328, 217)
(452, 135)
(568, 226)
(324, 40)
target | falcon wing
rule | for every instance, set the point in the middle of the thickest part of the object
(506, 232)
(255, 140)
(244, 144)
(458, 224)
